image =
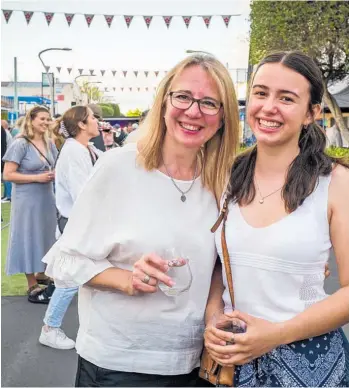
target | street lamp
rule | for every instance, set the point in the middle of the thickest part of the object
(76, 83)
(89, 93)
(52, 106)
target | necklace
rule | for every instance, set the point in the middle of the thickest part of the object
(261, 201)
(183, 197)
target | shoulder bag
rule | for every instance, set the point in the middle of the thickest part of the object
(210, 370)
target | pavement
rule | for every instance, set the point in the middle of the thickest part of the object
(26, 363)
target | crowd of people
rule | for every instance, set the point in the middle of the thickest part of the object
(99, 224)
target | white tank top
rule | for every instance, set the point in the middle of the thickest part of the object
(278, 270)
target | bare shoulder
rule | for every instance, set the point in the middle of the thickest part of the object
(339, 187)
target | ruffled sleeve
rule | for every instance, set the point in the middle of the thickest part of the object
(82, 251)
(16, 152)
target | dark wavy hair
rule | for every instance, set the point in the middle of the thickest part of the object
(311, 162)
(71, 119)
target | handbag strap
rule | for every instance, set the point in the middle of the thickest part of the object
(29, 141)
(223, 217)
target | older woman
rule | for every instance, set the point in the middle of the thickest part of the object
(29, 166)
(131, 333)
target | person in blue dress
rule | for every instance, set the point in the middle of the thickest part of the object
(29, 163)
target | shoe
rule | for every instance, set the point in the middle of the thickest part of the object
(54, 337)
(5, 200)
(38, 295)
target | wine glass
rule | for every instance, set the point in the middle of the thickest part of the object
(179, 270)
(223, 322)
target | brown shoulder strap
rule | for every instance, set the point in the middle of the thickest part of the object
(223, 217)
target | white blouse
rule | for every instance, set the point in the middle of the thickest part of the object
(122, 213)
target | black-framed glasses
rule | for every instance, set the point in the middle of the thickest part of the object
(208, 106)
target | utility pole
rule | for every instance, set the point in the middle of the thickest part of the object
(15, 97)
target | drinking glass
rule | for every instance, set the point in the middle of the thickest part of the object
(179, 270)
(232, 325)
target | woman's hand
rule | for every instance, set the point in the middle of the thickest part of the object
(261, 337)
(148, 272)
(45, 177)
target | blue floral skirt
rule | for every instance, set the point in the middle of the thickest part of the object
(321, 361)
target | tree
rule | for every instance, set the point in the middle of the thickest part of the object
(92, 92)
(318, 28)
(134, 113)
(107, 110)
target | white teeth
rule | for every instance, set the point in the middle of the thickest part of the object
(190, 127)
(272, 124)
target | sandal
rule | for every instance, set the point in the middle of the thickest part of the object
(43, 280)
(36, 294)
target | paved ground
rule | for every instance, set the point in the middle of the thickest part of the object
(26, 363)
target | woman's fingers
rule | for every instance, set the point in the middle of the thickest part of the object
(154, 267)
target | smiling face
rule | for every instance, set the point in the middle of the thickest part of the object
(278, 105)
(190, 127)
(40, 122)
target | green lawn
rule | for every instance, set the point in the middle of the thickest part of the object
(15, 284)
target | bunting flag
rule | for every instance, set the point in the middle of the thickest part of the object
(80, 71)
(48, 17)
(102, 72)
(138, 89)
(167, 20)
(122, 89)
(146, 73)
(187, 20)
(7, 14)
(47, 68)
(69, 70)
(130, 89)
(89, 18)
(124, 72)
(207, 20)
(91, 71)
(146, 89)
(135, 73)
(109, 19)
(105, 89)
(113, 72)
(114, 89)
(156, 73)
(59, 69)
(226, 19)
(128, 20)
(147, 20)
(28, 15)
(69, 18)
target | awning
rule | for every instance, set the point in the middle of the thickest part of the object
(32, 100)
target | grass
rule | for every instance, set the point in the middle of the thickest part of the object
(14, 284)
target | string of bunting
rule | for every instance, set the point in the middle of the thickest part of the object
(128, 88)
(109, 18)
(104, 72)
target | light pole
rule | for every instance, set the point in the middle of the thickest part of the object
(52, 106)
(75, 80)
(89, 92)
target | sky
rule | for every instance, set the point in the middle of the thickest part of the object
(118, 47)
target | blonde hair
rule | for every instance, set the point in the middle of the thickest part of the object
(217, 155)
(19, 123)
(27, 126)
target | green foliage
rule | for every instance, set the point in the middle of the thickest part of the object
(108, 111)
(114, 107)
(133, 113)
(338, 152)
(318, 28)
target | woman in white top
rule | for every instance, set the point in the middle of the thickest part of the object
(73, 166)
(288, 204)
(141, 199)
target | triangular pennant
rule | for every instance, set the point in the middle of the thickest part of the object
(105, 89)
(49, 17)
(7, 14)
(109, 19)
(187, 20)
(114, 89)
(80, 71)
(69, 17)
(207, 20)
(69, 70)
(124, 72)
(138, 89)
(146, 73)
(167, 20)
(128, 20)
(146, 89)
(91, 71)
(165, 71)
(130, 89)
(122, 89)
(113, 72)
(156, 73)
(226, 19)
(147, 20)
(135, 73)
(47, 68)
(28, 15)
(59, 69)
(102, 72)
(154, 87)
(89, 18)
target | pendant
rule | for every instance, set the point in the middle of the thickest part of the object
(261, 201)
(183, 198)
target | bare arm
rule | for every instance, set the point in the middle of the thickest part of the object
(215, 301)
(114, 279)
(10, 174)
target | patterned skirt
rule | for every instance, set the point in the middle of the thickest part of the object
(321, 361)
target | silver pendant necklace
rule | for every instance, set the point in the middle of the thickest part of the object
(183, 196)
(262, 198)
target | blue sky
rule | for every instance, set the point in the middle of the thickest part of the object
(120, 48)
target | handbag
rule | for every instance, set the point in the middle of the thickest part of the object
(210, 370)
